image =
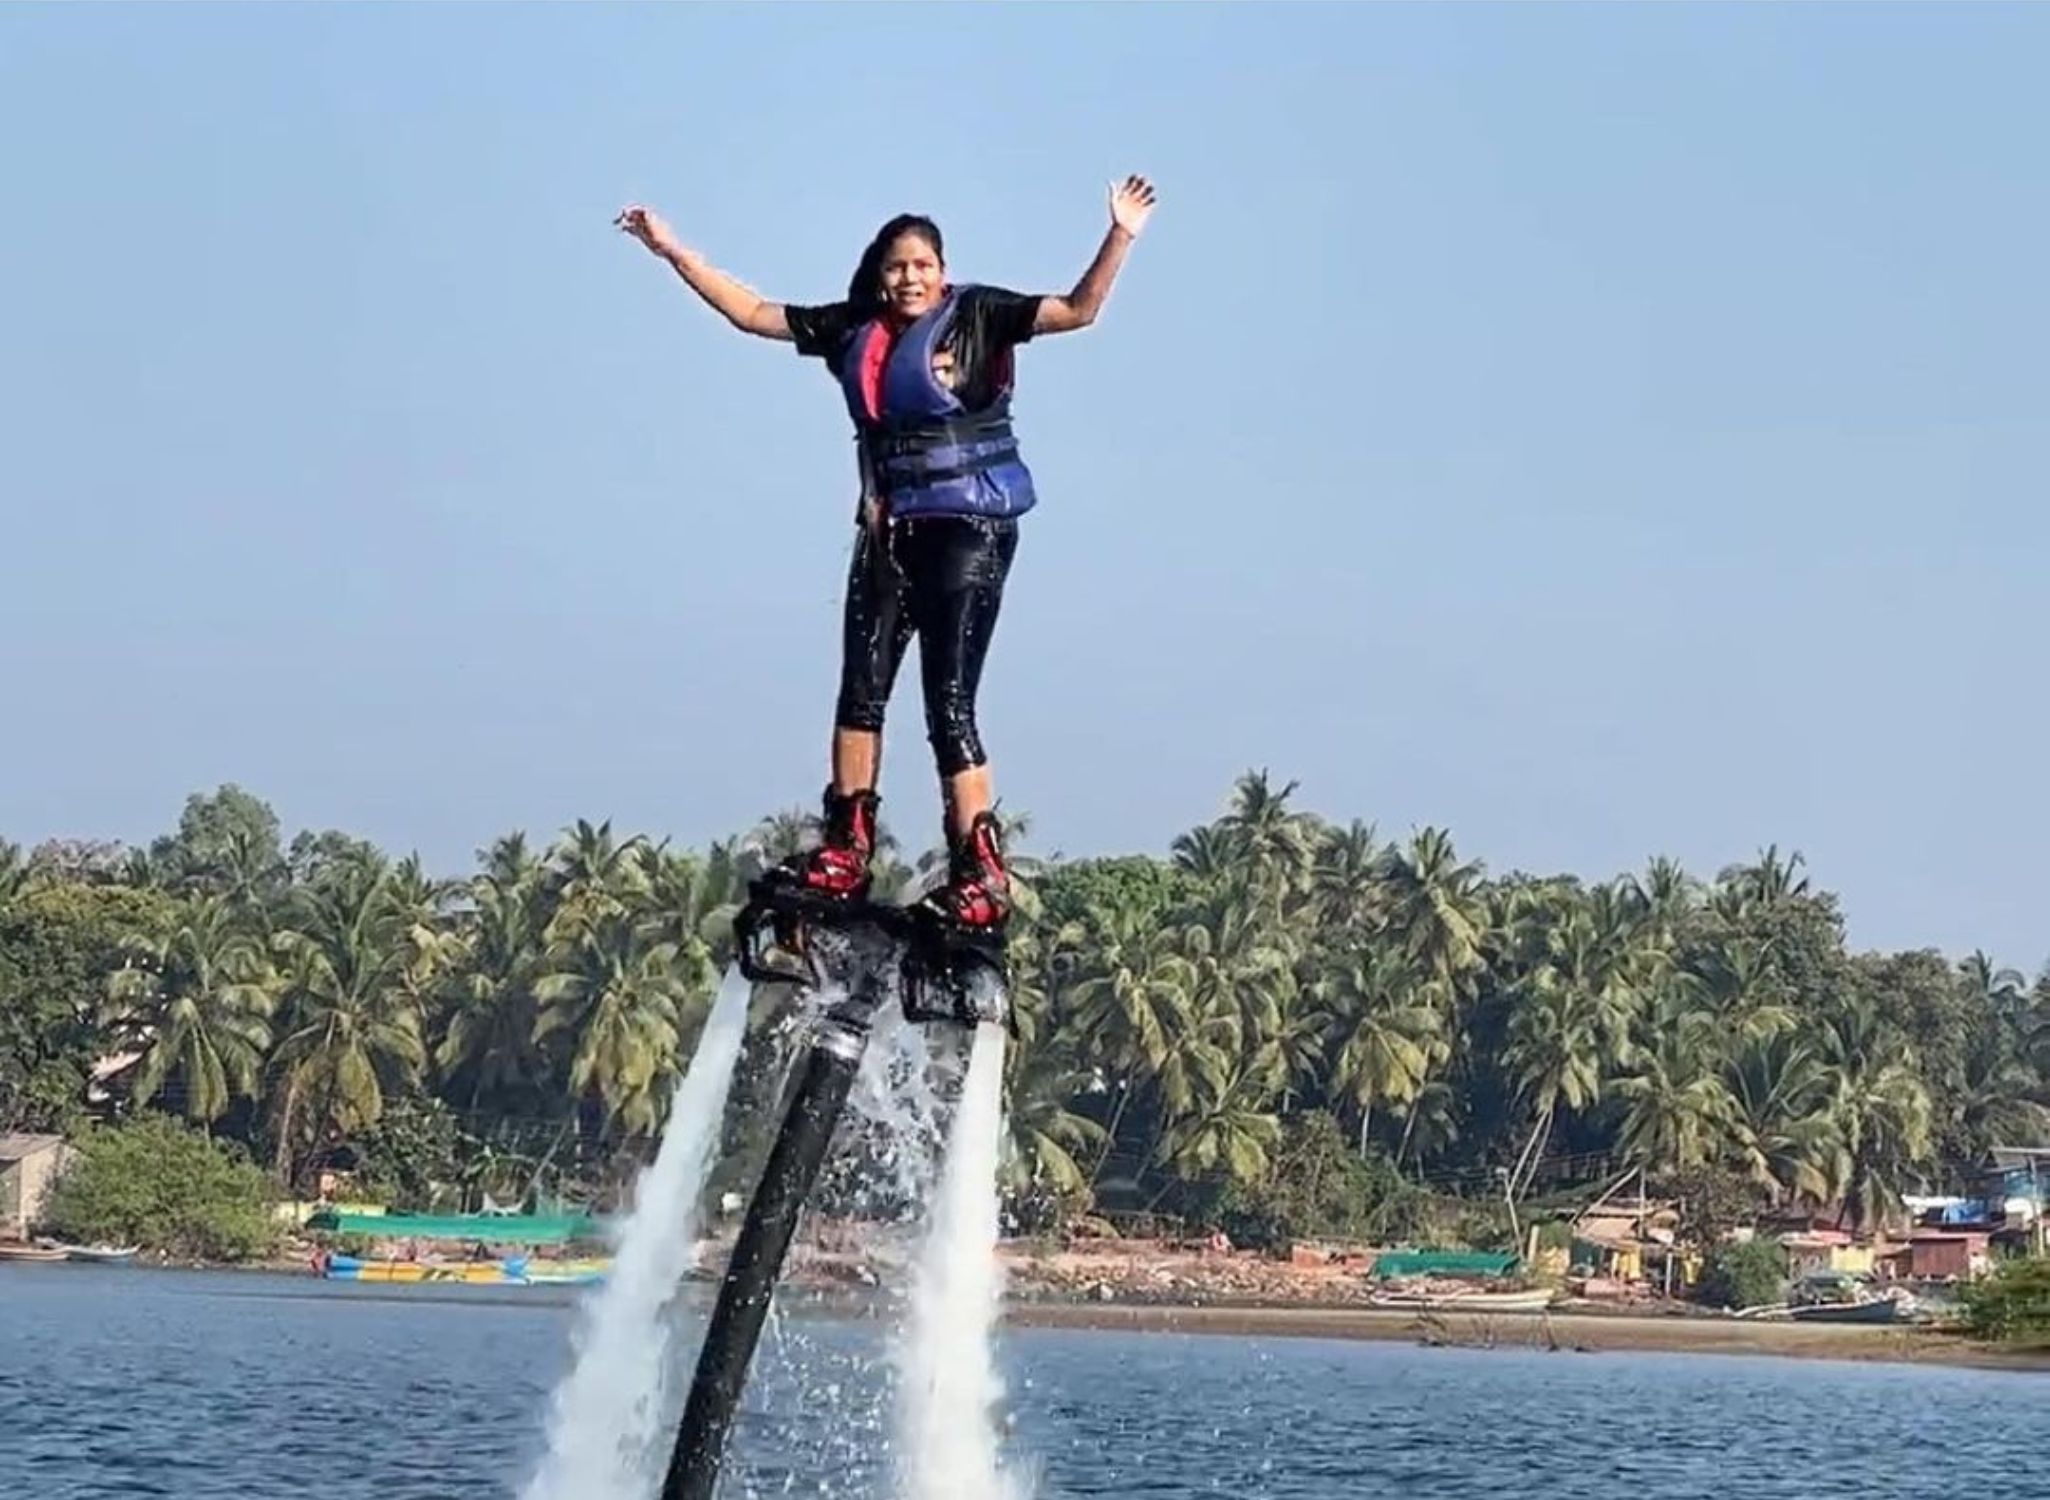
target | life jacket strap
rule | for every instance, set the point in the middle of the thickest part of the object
(944, 432)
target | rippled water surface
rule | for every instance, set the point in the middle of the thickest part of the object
(204, 1387)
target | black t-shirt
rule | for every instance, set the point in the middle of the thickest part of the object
(988, 321)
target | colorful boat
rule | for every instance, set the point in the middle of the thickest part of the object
(514, 1270)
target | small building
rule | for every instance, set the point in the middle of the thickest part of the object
(2019, 1182)
(1938, 1255)
(29, 1166)
(1630, 1244)
(1822, 1251)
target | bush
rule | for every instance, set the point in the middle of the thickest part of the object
(2012, 1306)
(1752, 1274)
(156, 1184)
(1320, 1188)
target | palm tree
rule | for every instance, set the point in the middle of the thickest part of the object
(487, 1044)
(1386, 1030)
(1668, 896)
(1046, 1137)
(1288, 1059)
(1879, 1106)
(594, 876)
(1561, 1034)
(692, 903)
(350, 1028)
(195, 1003)
(1998, 992)
(1430, 1122)
(250, 874)
(1770, 882)
(1134, 995)
(618, 993)
(14, 873)
(2001, 1098)
(1782, 1133)
(1208, 854)
(778, 837)
(1272, 847)
(1345, 878)
(1436, 910)
(1229, 1129)
(1132, 1009)
(1677, 1111)
(1241, 965)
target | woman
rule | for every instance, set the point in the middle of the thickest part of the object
(926, 369)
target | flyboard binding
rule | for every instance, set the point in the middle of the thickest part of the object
(864, 955)
(943, 971)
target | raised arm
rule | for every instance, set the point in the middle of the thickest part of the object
(1131, 203)
(737, 304)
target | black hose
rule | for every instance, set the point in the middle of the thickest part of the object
(736, 1326)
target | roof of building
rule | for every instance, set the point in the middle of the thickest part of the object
(21, 1144)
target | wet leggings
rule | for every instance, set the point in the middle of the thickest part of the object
(943, 577)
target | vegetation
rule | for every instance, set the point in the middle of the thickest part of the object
(2012, 1306)
(1751, 1274)
(1288, 1024)
(156, 1184)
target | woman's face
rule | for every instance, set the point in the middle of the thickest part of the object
(913, 276)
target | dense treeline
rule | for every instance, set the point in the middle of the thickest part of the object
(1283, 1015)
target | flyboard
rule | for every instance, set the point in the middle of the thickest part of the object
(866, 956)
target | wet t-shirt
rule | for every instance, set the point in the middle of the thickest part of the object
(973, 357)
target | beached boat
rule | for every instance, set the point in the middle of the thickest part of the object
(100, 1255)
(1535, 1299)
(19, 1250)
(567, 1272)
(1877, 1310)
(1841, 1297)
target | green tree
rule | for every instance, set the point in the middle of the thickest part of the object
(349, 1030)
(59, 941)
(226, 845)
(619, 994)
(194, 1004)
(1752, 1274)
(157, 1185)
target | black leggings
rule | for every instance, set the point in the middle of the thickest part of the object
(942, 576)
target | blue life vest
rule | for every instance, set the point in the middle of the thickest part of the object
(925, 452)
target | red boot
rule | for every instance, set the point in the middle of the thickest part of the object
(839, 867)
(977, 894)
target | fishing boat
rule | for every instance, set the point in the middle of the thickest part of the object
(100, 1255)
(22, 1250)
(1876, 1310)
(1530, 1300)
(1840, 1297)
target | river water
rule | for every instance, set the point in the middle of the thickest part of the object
(129, 1382)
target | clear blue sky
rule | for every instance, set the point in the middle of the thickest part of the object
(1602, 431)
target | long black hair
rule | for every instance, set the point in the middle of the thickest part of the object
(865, 287)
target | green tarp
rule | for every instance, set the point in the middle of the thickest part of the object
(492, 1229)
(1442, 1263)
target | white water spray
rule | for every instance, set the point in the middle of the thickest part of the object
(612, 1415)
(948, 1386)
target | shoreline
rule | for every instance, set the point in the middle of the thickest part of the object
(1566, 1333)
(1573, 1331)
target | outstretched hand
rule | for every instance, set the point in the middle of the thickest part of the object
(645, 225)
(1131, 204)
